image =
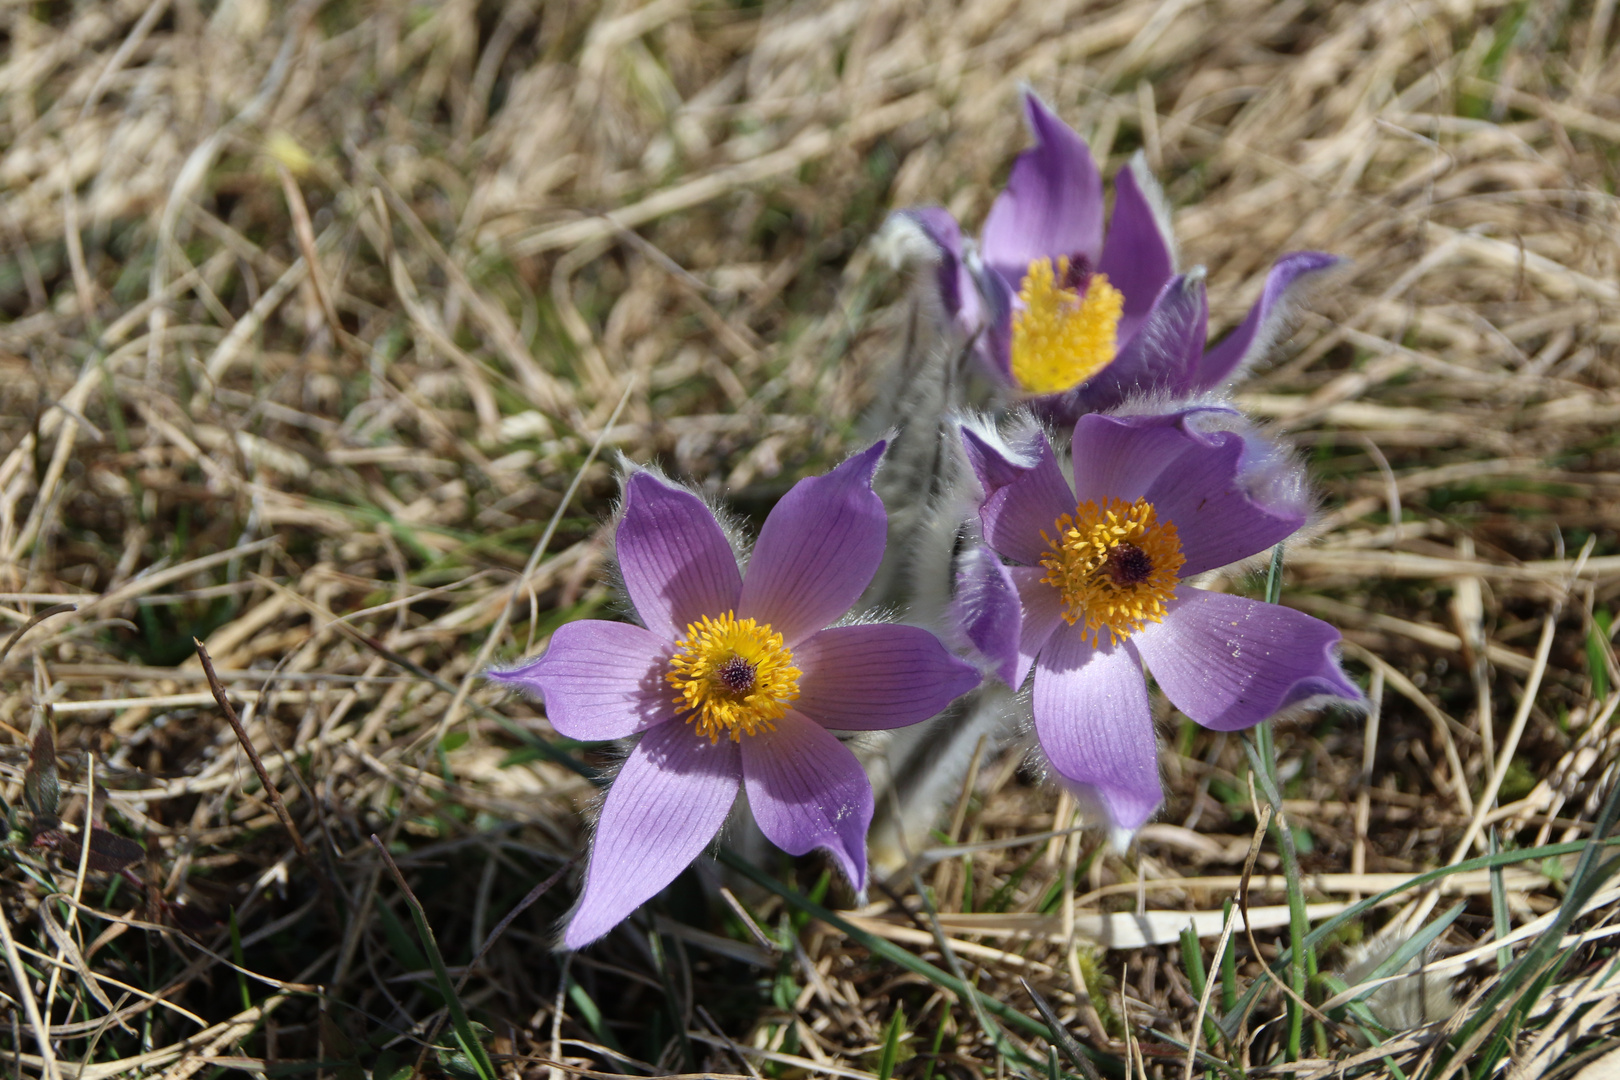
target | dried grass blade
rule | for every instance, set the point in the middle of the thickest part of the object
(491, 641)
(38, 617)
(887, 950)
(23, 987)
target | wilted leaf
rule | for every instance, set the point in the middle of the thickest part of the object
(109, 852)
(41, 789)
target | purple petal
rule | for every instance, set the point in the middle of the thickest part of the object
(1121, 457)
(987, 611)
(870, 678)
(993, 345)
(1052, 204)
(818, 550)
(1022, 499)
(1137, 256)
(1259, 332)
(664, 807)
(1042, 609)
(677, 564)
(807, 791)
(1094, 723)
(957, 293)
(1216, 515)
(1229, 662)
(1163, 355)
(600, 680)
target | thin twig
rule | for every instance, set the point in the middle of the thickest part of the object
(270, 790)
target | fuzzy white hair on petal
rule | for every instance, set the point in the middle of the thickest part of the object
(732, 526)
(1165, 402)
(1284, 317)
(1153, 195)
(1305, 707)
(1015, 437)
(1269, 472)
(902, 243)
(1088, 802)
(985, 427)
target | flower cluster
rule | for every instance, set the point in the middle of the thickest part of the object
(1088, 583)
(1076, 321)
(739, 670)
(736, 680)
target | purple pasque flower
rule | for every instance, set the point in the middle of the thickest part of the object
(1081, 320)
(1088, 583)
(736, 680)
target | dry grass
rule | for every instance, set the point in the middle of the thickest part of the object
(313, 313)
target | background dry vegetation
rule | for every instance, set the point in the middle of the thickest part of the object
(311, 314)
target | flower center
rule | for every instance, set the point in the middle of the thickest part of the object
(734, 676)
(1116, 566)
(1068, 328)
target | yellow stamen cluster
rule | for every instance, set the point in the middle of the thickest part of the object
(1060, 338)
(1116, 566)
(734, 675)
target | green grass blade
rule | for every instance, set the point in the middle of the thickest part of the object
(1192, 960)
(1541, 962)
(591, 1013)
(892, 952)
(466, 1037)
(891, 1043)
(240, 959)
(1500, 920)
(1228, 965)
(1484, 862)
(1411, 947)
(1274, 575)
(1597, 658)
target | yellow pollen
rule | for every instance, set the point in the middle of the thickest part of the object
(1116, 566)
(1060, 338)
(734, 676)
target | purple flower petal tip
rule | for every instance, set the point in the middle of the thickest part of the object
(987, 611)
(1268, 320)
(933, 226)
(1229, 662)
(1025, 492)
(1052, 204)
(1096, 727)
(663, 809)
(1138, 254)
(676, 561)
(807, 791)
(818, 550)
(599, 680)
(993, 463)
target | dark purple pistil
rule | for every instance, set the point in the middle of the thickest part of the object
(1128, 565)
(736, 675)
(1077, 275)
